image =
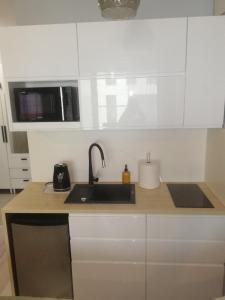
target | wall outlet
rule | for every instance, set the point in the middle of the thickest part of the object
(219, 7)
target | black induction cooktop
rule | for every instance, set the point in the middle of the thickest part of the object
(188, 196)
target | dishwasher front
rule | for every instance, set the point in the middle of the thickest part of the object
(40, 252)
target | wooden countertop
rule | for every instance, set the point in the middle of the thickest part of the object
(158, 201)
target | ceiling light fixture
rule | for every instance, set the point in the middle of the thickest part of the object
(118, 9)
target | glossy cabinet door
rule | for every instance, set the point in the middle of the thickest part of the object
(185, 257)
(205, 92)
(40, 51)
(108, 256)
(132, 47)
(132, 103)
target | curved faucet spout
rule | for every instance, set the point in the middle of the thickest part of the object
(93, 179)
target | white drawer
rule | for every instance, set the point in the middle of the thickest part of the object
(184, 282)
(186, 227)
(20, 173)
(107, 226)
(203, 252)
(111, 281)
(19, 183)
(108, 250)
(19, 161)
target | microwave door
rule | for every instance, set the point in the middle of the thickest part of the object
(38, 104)
(52, 107)
(31, 108)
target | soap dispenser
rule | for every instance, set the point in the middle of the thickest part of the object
(126, 175)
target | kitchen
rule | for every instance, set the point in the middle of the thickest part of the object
(185, 155)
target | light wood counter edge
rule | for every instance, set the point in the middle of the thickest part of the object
(157, 201)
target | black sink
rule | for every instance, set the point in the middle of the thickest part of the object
(102, 193)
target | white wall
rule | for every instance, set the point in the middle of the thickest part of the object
(215, 162)
(181, 153)
(59, 11)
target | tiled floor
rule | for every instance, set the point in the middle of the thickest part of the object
(5, 289)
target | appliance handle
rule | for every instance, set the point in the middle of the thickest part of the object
(3, 134)
(39, 219)
(5, 131)
(62, 104)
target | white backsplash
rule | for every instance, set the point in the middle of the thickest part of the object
(181, 153)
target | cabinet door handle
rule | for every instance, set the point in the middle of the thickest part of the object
(5, 131)
(3, 134)
(23, 158)
(26, 180)
(24, 170)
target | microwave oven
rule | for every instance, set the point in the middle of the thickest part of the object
(47, 104)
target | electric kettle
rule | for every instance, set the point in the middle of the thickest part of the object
(61, 178)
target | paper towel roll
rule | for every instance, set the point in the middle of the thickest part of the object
(149, 176)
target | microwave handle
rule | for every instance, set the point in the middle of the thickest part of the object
(62, 104)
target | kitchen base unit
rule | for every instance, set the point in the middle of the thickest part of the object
(108, 256)
(185, 257)
(150, 250)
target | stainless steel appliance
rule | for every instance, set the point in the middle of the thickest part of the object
(61, 178)
(46, 104)
(41, 254)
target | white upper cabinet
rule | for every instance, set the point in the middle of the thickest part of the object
(205, 89)
(132, 103)
(132, 47)
(45, 51)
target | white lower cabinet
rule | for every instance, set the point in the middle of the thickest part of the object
(108, 256)
(153, 257)
(185, 257)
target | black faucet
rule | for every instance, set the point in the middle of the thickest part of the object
(93, 179)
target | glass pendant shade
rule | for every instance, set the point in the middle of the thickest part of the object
(119, 9)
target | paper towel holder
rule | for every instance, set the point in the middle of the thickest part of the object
(148, 157)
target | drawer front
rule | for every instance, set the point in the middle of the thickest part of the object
(184, 282)
(107, 226)
(183, 227)
(19, 183)
(204, 252)
(19, 161)
(111, 281)
(20, 173)
(108, 250)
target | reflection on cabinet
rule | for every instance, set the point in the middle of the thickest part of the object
(185, 257)
(132, 47)
(108, 256)
(129, 103)
(40, 51)
(205, 94)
